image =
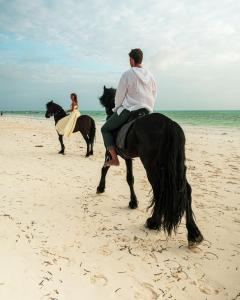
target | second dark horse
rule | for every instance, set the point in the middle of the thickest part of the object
(85, 124)
(160, 144)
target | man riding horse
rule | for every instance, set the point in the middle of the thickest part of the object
(136, 90)
(158, 141)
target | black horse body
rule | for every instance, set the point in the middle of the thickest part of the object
(85, 124)
(160, 144)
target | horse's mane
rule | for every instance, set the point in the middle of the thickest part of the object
(107, 99)
(51, 103)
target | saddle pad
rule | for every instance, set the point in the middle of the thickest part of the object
(122, 134)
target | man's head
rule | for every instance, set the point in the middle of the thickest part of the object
(136, 57)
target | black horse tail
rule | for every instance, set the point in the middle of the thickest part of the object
(92, 132)
(169, 180)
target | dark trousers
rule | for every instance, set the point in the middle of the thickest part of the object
(114, 122)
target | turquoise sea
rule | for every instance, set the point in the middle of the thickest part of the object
(222, 118)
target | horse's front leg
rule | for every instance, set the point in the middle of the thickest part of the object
(60, 137)
(101, 186)
(130, 180)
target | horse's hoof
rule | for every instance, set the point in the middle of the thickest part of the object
(197, 241)
(61, 152)
(151, 224)
(100, 190)
(133, 204)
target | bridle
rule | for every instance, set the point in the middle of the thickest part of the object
(57, 112)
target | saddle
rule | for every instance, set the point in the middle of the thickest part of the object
(120, 135)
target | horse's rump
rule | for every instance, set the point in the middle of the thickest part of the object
(152, 133)
(86, 125)
(83, 124)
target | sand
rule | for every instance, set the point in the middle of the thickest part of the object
(60, 240)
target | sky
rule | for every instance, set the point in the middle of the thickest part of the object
(50, 48)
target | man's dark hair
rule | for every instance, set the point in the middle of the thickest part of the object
(136, 55)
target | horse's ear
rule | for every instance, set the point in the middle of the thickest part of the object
(104, 87)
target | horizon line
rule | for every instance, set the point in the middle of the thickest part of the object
(238, 109)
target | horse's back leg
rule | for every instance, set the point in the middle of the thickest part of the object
(60, 137)
(92, 133)
(194, 235)
(102, 183)
(130, 180)
(90, 148)
(86, 138)
(153, 222)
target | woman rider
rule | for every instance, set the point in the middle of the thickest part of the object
(67, 124)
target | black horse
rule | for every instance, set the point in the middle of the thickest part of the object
(160, 144)
(85, 125)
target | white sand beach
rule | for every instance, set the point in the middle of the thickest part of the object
(59, 240)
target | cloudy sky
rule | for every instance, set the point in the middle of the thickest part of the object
(50, 48)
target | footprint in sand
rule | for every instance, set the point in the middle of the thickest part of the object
(172, 264)
(210, 256)
(104, 250)
(206, 288)
(179, 274)
(149, 287)
(206, 243)
(196, 250)
(99, 278)
(146, 288)
(176, 270)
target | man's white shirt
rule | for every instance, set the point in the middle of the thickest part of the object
(136, 89)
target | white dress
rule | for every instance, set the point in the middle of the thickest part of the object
(66, 125)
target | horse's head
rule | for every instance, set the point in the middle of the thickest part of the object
(51, 109)
(108, 100)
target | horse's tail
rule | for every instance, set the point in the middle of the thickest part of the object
(92, 132)
(168, 180)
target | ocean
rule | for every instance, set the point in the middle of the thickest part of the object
(221, 118)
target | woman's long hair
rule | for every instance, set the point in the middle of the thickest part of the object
(74, 97)
(74, 100)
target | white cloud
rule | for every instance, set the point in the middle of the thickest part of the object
(179, 38)
(106, 28)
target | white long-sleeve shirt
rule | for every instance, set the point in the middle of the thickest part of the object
(136, 89)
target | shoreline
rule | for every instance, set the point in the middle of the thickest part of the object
(100, 122)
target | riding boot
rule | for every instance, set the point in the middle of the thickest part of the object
(114, 158)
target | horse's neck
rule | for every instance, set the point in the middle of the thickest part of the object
(60, 113)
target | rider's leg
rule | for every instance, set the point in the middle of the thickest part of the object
(114, 158)
(114, 122)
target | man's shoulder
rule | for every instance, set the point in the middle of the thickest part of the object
(149, 72)
(151, 75)
(127, 73)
